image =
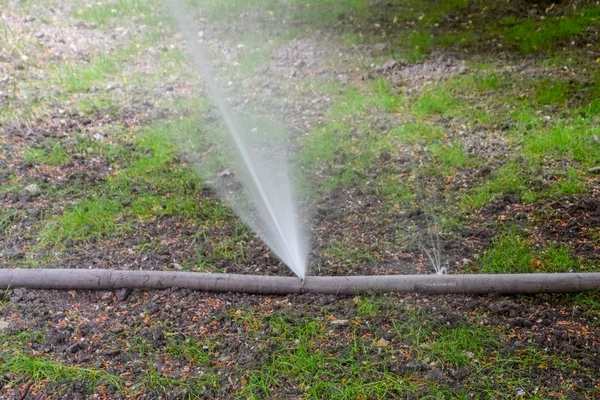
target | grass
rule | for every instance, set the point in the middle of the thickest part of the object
(106, 14)
(91, 219)
(55, 156)
(8, 217)
(150, 186)
(531, 36)
(552, 92)
(510, 179)
(340, 255)
(371, 139)
(215, 9)
(39, 369)
(192, 387)
(413, 132)
(459, 39)
(336, 144)
(315, 373)
(395, 189)
(438, 102)
(80, 78)
(513, 252)
(450, 156)
(567, 141)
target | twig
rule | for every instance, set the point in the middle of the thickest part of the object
(26, 390)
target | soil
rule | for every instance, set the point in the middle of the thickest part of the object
(97, 329)
(79, 331)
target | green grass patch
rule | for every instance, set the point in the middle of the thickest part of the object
(216, 10)
(531, 36)
(569, 186)
(8, 216)
(395, 189)
(325, 13)
(489, 83)
(382, 96)
(346, 149)
(427, 13)
(104, 14)
(420, 43)
(552, 92)
(151, 186)
(463, 345)
(421, 131)
(42, 369)
(450, 156)
(194, 387)
(436, 102)
(315, 373)
(90, 219)
(458, 39)
(568, 141)
(514, 253)
(342, 255)
(55, 156)
(81, 77)
(458, 346)
(512, 179)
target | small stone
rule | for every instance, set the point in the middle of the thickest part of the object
(3, 325)
(123, 294)
(385, 156)
(594, 169)
(112, 352)
(33, 189)
(74, 348)
(416, 365)
(379, 47)
(225, 358)
(388, 66)
(177, 266)
(381, 343)
(397, 81)
(343, 79)
(224, 173)
(339, 322)
(435, 375)
(462, 69)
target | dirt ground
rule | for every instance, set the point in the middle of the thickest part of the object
(64, 144)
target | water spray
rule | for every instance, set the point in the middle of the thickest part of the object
(266, 179)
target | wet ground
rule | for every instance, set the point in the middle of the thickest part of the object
(81, 86)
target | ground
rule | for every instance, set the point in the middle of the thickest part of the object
(475, 122)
